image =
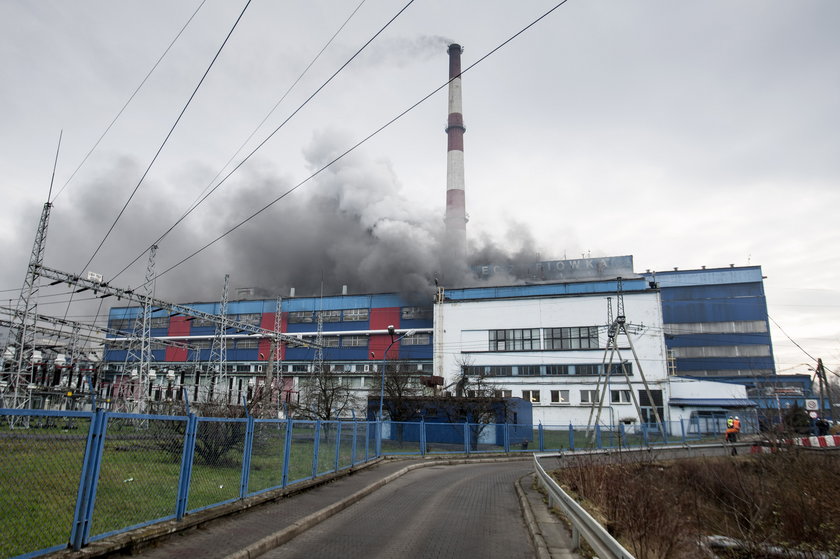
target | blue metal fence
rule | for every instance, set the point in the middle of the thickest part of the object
(71, 478)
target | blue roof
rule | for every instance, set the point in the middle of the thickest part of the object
(713, 402)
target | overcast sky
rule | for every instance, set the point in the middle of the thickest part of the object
(684, 134)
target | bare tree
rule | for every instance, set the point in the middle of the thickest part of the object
(477, 401)
(400, 396)
(324, 396)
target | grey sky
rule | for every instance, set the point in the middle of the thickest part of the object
(685, 134)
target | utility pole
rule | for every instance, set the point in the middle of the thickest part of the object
(825, 390)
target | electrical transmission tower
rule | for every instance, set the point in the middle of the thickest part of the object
(139, 353)
(274, 377)
(17, 391)
(612, 351)
(218, 351)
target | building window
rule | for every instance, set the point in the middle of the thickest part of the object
(251, 318)
(588, 397)
(202, 323)
(416, 313)
(529, 370)
(556, 369)
(578, 337)
(616, 368)
(619, 396)
(354, 341)
(356, 315)
(159, 322)
(502, 393)
(300, 368)
(300, 316)
(247, 344)
(532, 396)
(587, 370)
(329, 316)
(515, 340)
(560, 397)
(330, 341)
(123, 324)
(417, 339)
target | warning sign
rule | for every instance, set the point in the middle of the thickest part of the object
(811, 404)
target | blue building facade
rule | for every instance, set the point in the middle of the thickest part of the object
(716, 322)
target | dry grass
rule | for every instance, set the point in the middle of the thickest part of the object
(663, 509)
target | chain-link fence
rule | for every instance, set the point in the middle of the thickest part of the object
(70, 478)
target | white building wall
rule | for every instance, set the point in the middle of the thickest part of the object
(466, 340)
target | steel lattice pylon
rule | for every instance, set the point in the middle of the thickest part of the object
(142, 356)
(17, 392)
(218, 351)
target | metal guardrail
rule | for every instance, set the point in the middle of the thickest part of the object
(583, 524)
(606, 546)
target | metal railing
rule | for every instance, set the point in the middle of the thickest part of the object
(72, 478)
(604, 545)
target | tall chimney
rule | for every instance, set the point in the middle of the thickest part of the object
(456, 216)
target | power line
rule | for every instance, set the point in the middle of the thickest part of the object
(356, 145)
(202, 197)
(169, 134)
(142, 83)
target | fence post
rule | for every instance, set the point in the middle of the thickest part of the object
(571, 437)
(355, 440)
(246, 456)
(598, 436)
(622, 435)
(541, 437)
(338, 445)
(86, 496)
(682, 430)
(316, 447)
(422, 436)
(466, 437)
(287, 451)
(379, 437)
(187, 455)
(645, 435)
(506, 436)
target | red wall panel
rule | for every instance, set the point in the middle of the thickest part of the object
(380, 319)
(178, 326)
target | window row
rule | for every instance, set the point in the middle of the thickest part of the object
(586, 397)
(529, 339)
(347, 315)
(589, 369)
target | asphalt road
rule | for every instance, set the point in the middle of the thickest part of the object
(440, 511)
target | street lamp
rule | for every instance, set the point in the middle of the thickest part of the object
(394, 340)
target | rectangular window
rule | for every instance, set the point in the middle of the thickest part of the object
(330, 341)
(300, 368)
(587, 369)
(416, 313)
(620, 396)
(578, 337)
(616, 369)
(159, 322)
(354, 341)
(526, 339)
(529, 370)
(300, 316)
(251, 318)
(123, 324)
(247, 344)
(417, 339)
(532, 396)
(556, 369)
(329, 316)
(356, 315)
(503, 393)
(560, 397)
(203, 323)
(588, 397)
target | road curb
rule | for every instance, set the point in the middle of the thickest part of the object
(540, 546)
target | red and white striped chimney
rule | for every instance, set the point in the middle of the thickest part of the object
(456, 216)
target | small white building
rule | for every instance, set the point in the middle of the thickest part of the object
(550, 344)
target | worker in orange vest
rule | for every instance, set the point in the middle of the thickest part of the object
(731, 431)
